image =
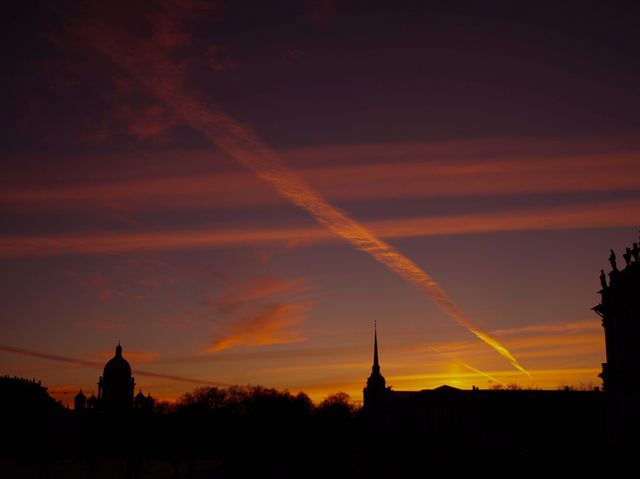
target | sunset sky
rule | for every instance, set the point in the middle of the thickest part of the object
(237, 190)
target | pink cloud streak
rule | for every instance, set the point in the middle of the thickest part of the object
(589, 215)
(390, 179)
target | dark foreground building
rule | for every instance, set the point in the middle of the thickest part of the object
(523, 423)
(601, 426)
(619, 309)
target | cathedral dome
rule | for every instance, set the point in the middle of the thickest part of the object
(117, 367)
(115, 387)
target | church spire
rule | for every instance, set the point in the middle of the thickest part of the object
(375, 393)
(376, 365)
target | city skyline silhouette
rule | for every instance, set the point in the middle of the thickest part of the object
(237, 192)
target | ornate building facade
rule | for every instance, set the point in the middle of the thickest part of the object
(619, 309)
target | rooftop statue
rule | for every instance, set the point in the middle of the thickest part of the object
(603, 279)
(627, 257)
(612, 260)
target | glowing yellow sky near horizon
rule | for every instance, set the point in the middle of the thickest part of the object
(150, 66)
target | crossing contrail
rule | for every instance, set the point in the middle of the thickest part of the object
(151, 66)
(471, 368)
(468, 366)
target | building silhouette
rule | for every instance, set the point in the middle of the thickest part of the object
(92, 402)
(143, 402)
(116, 385)
(519, 421)
(28, 394)
(376, 393)
(115, 389)
(619, 309)
(80, 401)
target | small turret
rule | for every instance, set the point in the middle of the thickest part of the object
(139, 400)
(80, 401)
(149, 402)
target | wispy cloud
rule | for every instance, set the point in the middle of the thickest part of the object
(270, 324)
(539, 342)
(105, 323)
(238, 294)
(383, 177)
(149, 63)
(138, 356)
(152, 122)
(105, 291)
(585, 215)
(264, 309)
(544, 345)
(321, 11)
(185, 322)
(574, 326)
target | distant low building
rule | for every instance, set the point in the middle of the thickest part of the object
(20, 393)
(523, 421)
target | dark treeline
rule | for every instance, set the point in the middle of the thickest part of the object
(210, 432)
(256, 429)
(263, 432)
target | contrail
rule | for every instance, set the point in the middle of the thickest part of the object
(151, 67)
(470, 368)
(96, 364)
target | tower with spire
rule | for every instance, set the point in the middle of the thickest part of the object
(376, 393)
